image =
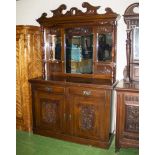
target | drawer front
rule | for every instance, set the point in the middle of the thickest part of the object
(131, 98)
(50, 89)
(86, 92)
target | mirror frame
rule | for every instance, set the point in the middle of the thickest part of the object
(131, 18)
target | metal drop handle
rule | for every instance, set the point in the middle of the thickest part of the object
(48, 89)
(64, 116)
(70, 116)
(86, 92)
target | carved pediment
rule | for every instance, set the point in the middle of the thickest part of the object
(75, 14)
(130, 14)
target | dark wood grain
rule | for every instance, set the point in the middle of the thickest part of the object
(81, 110)
(98, 23)
(70, 106)
(127, 117)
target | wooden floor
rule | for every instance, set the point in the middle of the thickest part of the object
(31, 144)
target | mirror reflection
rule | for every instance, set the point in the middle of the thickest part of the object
(104, 42)
(54, 47)
(136, 43)
(79, 50)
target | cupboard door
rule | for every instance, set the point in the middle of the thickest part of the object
(131, 116)
(48, 111)
(127, 133)
(88, 117)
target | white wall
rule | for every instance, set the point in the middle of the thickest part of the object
(27, 11)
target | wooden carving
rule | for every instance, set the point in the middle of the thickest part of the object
(132, 99)
(79, 31)
(87, 116)
(75, 22)
(58, 11)
(49, 111)
(91, 11)
(104, 69)
(28, 65)
(131, 19)
(106, 28)
(131, 113)
(132, 118)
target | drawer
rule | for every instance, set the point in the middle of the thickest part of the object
(131, 98)
(50, 89)
(87, 92)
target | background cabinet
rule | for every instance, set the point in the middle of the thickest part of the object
(127, 119)
(127, 128)
(28, 65)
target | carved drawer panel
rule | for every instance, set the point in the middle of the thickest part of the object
(86, 92)
(50, 89)
(131, 99)
(103, 69)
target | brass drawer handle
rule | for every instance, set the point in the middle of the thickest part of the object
(48, 89)
(70, 117)
(86, 92)
(64, 116)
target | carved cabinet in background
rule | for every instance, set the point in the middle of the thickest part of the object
(127, 128)
(127, 117)
(28, 65)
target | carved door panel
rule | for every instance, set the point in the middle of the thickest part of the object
(49, 111)
(130, 119)
(88, 117)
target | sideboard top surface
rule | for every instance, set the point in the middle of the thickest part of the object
(128, 86)
(75, 81)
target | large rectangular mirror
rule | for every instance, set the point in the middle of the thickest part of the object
(79, 50)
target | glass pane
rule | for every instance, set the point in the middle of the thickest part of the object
(52, 41)
(136, 43)
(104, 42)
(79, 50)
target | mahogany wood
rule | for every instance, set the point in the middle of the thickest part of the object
(131, 71)
(127, 122)
(99, 23)
(127, 119)
(75, 107)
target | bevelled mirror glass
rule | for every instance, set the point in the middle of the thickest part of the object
(79, 50)
(53, 44)
(104, 46)
(136, 43)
